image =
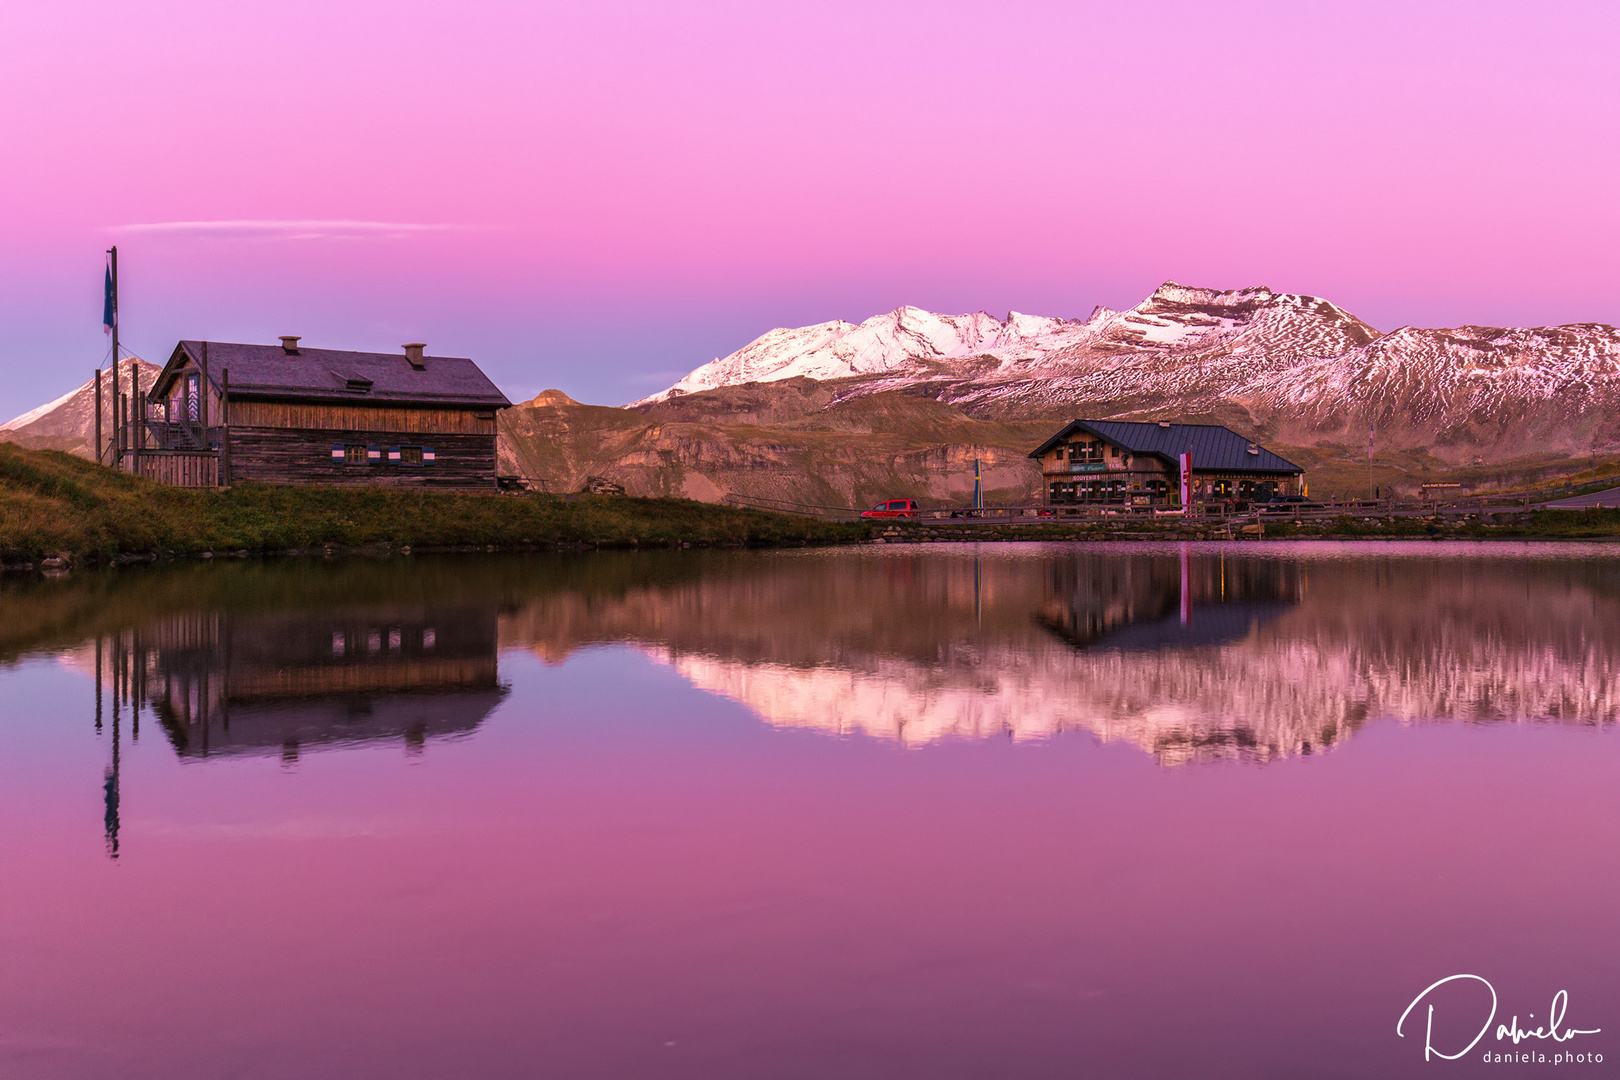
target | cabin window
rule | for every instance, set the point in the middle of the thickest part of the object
(1113, 451)
(354, 454)
(410, 455)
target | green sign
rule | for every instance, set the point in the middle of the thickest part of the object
(1087, 466)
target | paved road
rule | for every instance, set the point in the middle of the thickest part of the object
(1609, 498)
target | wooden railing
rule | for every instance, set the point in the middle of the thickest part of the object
(181, 435)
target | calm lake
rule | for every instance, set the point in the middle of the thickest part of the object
(932, 811)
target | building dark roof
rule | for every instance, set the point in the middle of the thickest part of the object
(333, 375)
(1212, 446)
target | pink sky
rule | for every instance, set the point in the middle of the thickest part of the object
(600, 196)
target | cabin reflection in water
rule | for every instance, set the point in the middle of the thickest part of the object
(225, 683)
(1155, 603)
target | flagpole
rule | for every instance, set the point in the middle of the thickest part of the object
(118, 449)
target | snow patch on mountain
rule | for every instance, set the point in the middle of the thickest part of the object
(912, 340)
(904, 337)
(49, 407)
(73, 415)
(1297, 364)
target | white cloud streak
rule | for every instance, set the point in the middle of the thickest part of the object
(297, 229)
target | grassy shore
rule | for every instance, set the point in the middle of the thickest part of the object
(53, 504)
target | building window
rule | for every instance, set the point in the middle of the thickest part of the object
(410, 455)
(354, 454)
(1085, 451)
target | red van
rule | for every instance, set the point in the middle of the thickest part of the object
(894, 508)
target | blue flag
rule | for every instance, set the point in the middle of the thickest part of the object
(109, 307)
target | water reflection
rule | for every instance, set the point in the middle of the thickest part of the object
(1191, 653)
(615, 875)
(1148, 602)
(278, 669)
(222, 683)
(1196, 652)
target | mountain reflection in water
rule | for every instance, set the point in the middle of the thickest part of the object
(461, 816)
(1190, 652)
(1193, 652)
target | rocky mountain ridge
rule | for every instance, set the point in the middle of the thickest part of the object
(1290, 367)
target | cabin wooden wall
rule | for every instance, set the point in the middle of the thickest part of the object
(345, 417)
(273, 455)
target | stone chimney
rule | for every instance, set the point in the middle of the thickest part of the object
(289, 344)
(413, 353)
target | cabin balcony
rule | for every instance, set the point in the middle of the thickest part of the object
(181, 435)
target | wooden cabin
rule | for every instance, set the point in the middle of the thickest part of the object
(1140, 464)
(284, 414)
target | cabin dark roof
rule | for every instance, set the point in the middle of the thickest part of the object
(1212, 446)
(333, 375)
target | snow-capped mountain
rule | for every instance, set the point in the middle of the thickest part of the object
(904, 337)
(1296, 366)
(909, 340)
(68, 423)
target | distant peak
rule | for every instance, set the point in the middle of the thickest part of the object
(1175, 293)
(555, 398)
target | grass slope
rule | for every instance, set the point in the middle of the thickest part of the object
(788, 440)
(52, 503)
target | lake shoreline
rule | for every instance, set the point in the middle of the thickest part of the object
(1531, 525)
(65, 562)
(58, 512)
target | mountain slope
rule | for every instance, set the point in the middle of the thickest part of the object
(69, 422)
(1288, 367)
(787, 440)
